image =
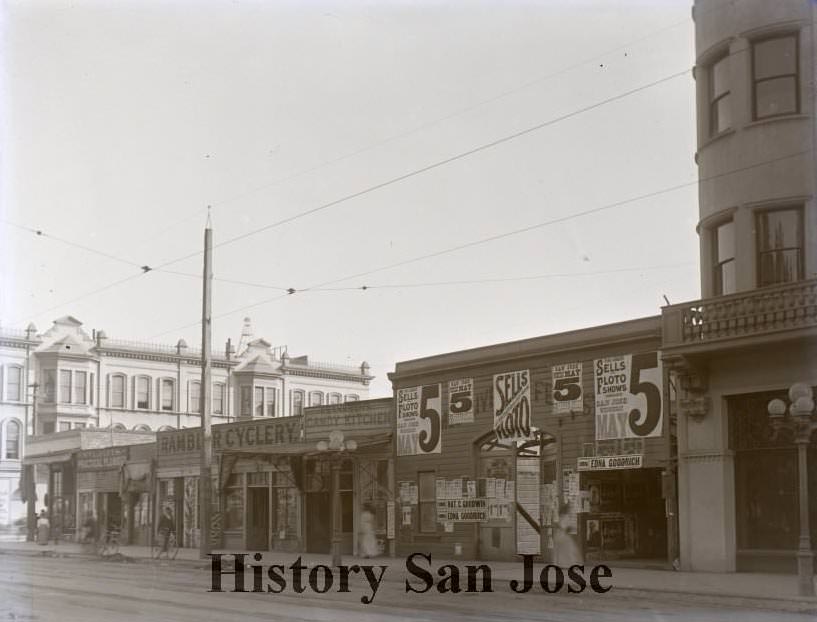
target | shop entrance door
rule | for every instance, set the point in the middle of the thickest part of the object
(258, 518)
(109, 510)
(318, 522)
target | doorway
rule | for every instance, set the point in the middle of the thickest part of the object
(258, 518)
(318, 522)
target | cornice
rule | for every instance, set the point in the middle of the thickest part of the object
(164, 358)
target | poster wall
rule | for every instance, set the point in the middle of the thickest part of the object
(629, 396)
(567, 387)
(418, 420)
(512, 406)
(461, 401)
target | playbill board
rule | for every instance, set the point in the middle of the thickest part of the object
(629, 396)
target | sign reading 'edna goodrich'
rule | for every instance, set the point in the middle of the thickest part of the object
(420, 577)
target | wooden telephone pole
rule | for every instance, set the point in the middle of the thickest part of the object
(205, 478)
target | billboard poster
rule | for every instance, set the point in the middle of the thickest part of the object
(629, 396)
(461, 401)
(567, 387)
(418, 420)
(512, 406)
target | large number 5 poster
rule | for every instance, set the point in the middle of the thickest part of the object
(418, 420)
(629, 396)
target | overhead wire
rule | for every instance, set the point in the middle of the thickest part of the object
(394, 180)
(435, 165)
(473, 243)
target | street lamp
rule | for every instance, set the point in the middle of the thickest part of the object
(801, 421)
(336, 447)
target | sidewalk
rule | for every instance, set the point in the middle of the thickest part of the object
(747, 590)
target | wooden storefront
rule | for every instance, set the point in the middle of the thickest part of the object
(530, 447)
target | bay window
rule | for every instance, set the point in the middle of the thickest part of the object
(779, 246)
(775, 76)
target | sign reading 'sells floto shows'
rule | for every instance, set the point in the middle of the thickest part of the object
(418, 420)
(512, 407)
(629, 396)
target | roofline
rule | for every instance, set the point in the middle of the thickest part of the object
(580, 339)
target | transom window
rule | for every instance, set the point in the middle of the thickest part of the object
(775, 79)
(724, 253)
(720, 111)
(779, 246)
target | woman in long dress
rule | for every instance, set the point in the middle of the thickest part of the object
(43, 529)
(368, 540)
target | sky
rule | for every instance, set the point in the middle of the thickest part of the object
(335, 139)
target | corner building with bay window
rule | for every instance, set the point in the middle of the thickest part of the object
(558, 446)
(753, 333)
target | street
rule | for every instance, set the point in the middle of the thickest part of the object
(67, 589)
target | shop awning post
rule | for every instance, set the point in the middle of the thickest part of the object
(204, 393)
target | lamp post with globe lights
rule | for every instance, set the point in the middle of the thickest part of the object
(337, 449)
(802, 422)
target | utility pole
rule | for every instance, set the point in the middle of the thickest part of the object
(205, 479)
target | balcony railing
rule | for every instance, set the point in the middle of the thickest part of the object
(766, 311)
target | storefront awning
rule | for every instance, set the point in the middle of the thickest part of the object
(57, 456)
(135, 477)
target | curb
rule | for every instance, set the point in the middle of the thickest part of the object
(789, 605)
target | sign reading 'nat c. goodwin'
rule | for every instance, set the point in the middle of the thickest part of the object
(233, 436)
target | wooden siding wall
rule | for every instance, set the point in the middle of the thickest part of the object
(458, 457)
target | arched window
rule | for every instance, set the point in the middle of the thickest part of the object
(166, 428)
(118, 427)
(168, 394)
(12, 440)
(218, 398)
(194, 402)
(315, 398)
(352, 397)
(335, 398)
(117, 391)
(143, 392)
(297, 403)
(141, 428)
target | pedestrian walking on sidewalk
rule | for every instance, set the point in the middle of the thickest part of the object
(368, 540)
(43, 528)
